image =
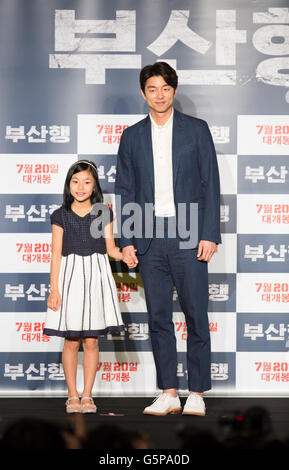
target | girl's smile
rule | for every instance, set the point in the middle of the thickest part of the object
(82, 185)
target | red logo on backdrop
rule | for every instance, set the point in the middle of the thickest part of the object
(274, 213)
(273, 371)
(273, 291)
(32, 332)
(124, 290)
(34, 252)
(110, 133)
(274, 134)
(116, 371)
(39, 173)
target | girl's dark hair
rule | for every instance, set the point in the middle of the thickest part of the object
(159, 68)
(82, 165)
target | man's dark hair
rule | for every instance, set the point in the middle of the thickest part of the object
(159, 68)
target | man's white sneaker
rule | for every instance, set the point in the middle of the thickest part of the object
(195, 405)
(164, 404)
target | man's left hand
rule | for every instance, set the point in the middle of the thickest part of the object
(206, 250)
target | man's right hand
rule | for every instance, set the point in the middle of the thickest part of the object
(129, 256)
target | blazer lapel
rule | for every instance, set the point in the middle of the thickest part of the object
(146, 139)
(178, 135)
(146, 145)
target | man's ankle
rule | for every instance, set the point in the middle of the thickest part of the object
(197, 393)
(171, 391)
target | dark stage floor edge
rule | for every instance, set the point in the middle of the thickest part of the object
(223, 415)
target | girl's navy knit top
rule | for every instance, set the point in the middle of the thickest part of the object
(83, 235)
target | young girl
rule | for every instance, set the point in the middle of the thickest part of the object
(83, 302)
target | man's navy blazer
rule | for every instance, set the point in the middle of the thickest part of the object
(195, 176)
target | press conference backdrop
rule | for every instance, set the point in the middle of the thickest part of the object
(68, 87)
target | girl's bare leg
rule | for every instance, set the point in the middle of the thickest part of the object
(69, 362)
(90, 362)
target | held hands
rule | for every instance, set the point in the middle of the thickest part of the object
(206, 250)
(129, 256)
(54, 301)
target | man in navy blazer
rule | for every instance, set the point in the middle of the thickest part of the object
(167, 176)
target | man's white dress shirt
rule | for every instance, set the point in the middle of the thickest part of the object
(162, 137)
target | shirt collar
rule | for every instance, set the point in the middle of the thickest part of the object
(167, 124)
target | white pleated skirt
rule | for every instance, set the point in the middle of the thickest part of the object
(89, 304)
